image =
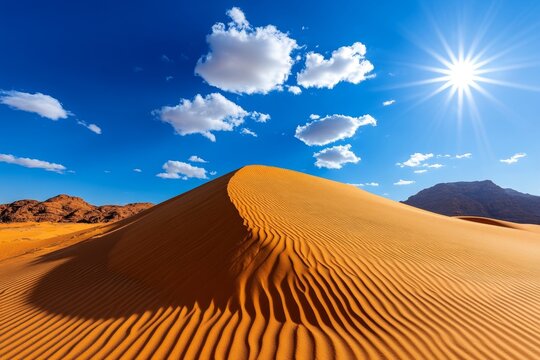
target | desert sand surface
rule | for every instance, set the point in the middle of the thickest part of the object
(21, 237)
(273, 264)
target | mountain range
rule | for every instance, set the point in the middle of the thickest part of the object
(478, 198)
(64, 208)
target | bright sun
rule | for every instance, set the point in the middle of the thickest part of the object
(461, 75)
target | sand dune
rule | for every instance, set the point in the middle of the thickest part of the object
(270, 263)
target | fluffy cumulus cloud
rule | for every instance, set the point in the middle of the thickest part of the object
(388, 102)
(203, 115)
(195, 158)
(246, 59)
(181, 170)
(513, 159)
(348, 63)
(331, 128)
(335, 157)
(32, 163)
(44, 105)
(246, 131)
(403, 182)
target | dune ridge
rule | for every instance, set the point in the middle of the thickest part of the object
(270, 263)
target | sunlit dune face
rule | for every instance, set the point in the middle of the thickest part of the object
(461, 74)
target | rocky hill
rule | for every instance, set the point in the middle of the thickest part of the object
(478, 198)
(65, 208)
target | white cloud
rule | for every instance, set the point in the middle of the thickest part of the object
(181, 170)
(513, 159)
(137, 170)
(335, 157)
(388, 102)
(203, 115)
(44, 105)
(433, 166)
(32, 163)
(244, 59)
(238, 17)
(213, 173)
(294, 89)
(168, 78)
(420, 171)
(195, 158)
(259, 117)
(404, 182)
(373, 184)
(415, 160)
(246, 131)
(314, 116)
(347, 63)
(92, 127)
(331, 128)
(464, 156)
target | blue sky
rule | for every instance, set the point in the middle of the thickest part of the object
(93, 90)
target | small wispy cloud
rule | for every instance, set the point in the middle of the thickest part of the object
(32, 163)
(246, 131)
(404, 182)
(388, 102)
(372, 184)
(420, 171)
(137, 170)
(513, 159)
(259, 117)
(92, 127)
(195, 158)
(464, 156)
(416, 159)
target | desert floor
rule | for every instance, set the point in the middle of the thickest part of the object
(273, 264)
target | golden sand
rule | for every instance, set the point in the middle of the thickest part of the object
(18, 238)
(274, 264)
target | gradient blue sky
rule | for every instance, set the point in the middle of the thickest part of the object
(113, 64)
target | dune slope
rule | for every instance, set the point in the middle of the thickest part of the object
(270, 263)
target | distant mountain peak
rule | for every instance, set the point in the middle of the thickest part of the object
(478, 198)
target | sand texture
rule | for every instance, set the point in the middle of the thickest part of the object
(274, 264)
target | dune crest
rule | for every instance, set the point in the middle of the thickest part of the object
(270, 263)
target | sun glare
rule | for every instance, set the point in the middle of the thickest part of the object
(461, 74)
(468, 69)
